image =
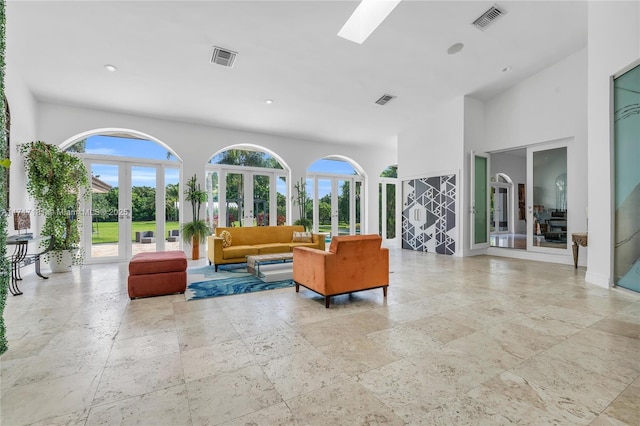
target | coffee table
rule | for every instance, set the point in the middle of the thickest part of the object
(271, 267)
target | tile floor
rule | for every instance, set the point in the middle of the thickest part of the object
(482, 340)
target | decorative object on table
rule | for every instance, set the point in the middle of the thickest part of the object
(194, 232)
(21, 221)
(56, 181)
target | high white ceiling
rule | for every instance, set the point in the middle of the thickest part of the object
(323, 86)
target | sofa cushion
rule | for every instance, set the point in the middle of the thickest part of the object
(302, 237)
(226, 238)
(273, 248)
(235, 252)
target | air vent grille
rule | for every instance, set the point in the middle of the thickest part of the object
(488, 17)
(223, 57)
(384, 99)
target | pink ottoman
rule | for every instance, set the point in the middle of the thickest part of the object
(157, 273)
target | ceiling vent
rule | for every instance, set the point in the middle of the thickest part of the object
(384, 99)
(223, 57)
(488, 17)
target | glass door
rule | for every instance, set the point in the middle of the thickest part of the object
(626, 143)
(500, 199)
(246, 198)
(387, 209)
(479, 200)
(105, 228)
(547, 208)
(124, 210)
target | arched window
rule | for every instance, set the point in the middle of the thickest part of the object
(135, 200)
(335, 188)
(246, 186)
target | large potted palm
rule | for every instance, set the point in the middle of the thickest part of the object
(194, 232)
(56, 181)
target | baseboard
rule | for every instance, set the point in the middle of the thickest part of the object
(598, 279)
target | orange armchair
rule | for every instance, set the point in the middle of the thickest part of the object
(353, 263)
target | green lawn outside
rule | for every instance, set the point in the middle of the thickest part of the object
(107, 232)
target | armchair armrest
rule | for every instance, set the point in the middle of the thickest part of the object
(214, 249)
(311, 266)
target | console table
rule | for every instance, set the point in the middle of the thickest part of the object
(21, 257)
(579, 239)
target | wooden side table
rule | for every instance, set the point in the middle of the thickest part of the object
(579, 239)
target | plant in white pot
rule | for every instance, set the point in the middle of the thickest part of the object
(56, 181)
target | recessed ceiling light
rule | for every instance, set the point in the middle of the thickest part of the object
(455, 48)
(110, 68)
(506, 69)
(366, 18)
(269, 101)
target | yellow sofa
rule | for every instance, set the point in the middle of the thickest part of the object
(246, 241)
(353, 263)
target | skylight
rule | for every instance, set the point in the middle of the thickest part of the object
(366, 18)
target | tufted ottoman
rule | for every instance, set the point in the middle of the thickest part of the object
(157, 273)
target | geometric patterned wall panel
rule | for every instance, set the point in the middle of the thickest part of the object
(429, 214)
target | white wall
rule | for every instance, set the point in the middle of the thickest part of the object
(434, 145)
(23, 110)
(548, 106)
(195, 144)
(613, 44)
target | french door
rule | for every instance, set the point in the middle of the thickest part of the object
(127, 209)
(337, 204)
(547, 201)
(480, 199)
(501, 200)
(387, 208)
(246, 197)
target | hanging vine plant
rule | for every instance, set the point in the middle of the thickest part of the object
(4, 135)
(56, 181)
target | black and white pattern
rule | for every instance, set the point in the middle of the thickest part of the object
(429, 214)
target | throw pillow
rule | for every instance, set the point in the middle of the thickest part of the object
(302, 237)
(226, 238)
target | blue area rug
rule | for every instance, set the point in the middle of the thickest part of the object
(230, 279)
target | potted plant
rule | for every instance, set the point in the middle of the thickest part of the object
(194, 232)
(300, 199)
(56, 180)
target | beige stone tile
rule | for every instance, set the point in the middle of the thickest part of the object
(139, 377)
(573, 384)
(603, 353)
(487, 348)
(359, 354)
(26, 346)
(78, 418)
(276, 415)
(626, 407)
(214, 359)
(405, 340)
(483, 314)
(345, 403)
(168, 407)
(268, 346)
(251, 323)
(509, 406)
(38, 401)
(206, 333)
(621, 328)
(302, 372)
(521, 340)
(226, 396)
(516, 391)
(143, 347)
(440, 328)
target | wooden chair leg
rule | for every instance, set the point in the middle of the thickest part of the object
(326, 301)
(384, 290)
(297, 288)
